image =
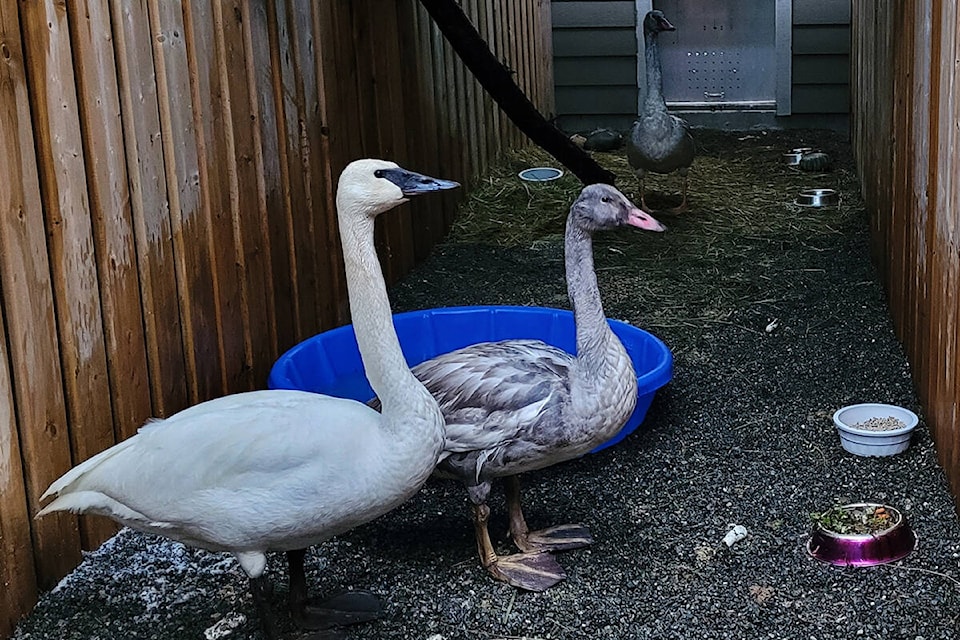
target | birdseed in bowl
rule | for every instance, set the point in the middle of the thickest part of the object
(888, 423)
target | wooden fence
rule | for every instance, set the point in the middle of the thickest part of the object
(166, 212)
(906, 136)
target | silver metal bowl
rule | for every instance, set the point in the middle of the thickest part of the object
(818, 198)
(792, 157)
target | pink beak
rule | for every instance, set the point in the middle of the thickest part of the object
(643, 220)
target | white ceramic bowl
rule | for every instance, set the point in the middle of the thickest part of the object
(863, 442)
(540, 174)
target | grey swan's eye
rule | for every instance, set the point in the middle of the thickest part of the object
(605, 199)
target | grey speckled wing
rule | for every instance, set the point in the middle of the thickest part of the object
(490, 391)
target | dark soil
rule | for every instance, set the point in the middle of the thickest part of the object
(776, 319)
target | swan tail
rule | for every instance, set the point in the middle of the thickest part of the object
(64, 482)
(96, 503)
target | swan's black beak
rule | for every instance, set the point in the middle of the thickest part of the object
(665, 25)
(412, 183)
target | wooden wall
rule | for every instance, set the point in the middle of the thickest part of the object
(820, 95)
(595, 63)
(595, 68)
(906, 137)
(166, 217)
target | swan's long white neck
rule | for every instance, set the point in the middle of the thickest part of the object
(383, 360)
(651, 54)
(593, 331)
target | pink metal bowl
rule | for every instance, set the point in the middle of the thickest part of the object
(858, 550)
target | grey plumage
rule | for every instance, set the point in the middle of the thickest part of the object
(519, 405)
(659, 141)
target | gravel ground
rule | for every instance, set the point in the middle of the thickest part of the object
(742, 435)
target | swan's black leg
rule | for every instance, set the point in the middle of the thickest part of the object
(260, 589)
(349, 607)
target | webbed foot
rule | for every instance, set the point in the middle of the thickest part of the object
(528, 571)
(562, 537)
(341, 610)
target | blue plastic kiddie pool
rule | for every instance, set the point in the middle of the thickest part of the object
(329, 362)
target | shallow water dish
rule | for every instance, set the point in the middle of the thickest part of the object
(868, 442)
(330, 362)
(792, 157)
(818, 198)
(864, 550)
(540, 174)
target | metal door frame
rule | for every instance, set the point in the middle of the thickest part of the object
(784, 48)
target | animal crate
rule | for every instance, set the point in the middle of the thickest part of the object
(725, 55)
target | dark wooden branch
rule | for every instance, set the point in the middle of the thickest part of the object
(498, 81)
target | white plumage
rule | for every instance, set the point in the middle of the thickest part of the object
(282, 470)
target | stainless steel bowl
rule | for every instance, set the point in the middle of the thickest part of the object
(818, 198)
(792, 157)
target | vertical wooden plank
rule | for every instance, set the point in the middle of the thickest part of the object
(102, 131)
(936, 408)
(920, 141)
(545, 33)
(361, 16)
(491, 110)
(445, 146)
(251, 255)
(536, 55)
(63, 189)
(216, 200)
(199, 315)
(294, 137)
(469, 104)
(18, 580)
(949, 427)
(500, 17)
(329, 147)
(29, 314)
(418, 99)
(149, 204)
(482, 98)
(929, 390)
(948, 229)
(452, 115)
(462, 80)
(313, 149)
(70, 235)
(283, 243)
(514, 59)
(263, 69)
(899, 213)
(524, 42)
(394, 128)
(339, 55)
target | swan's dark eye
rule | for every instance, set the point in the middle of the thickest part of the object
(605, 199)
(378, 173)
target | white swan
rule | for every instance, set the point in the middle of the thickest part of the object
(283, 470)
(519, 405)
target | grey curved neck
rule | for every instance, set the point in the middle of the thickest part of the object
(651, 55)
(593, 332)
